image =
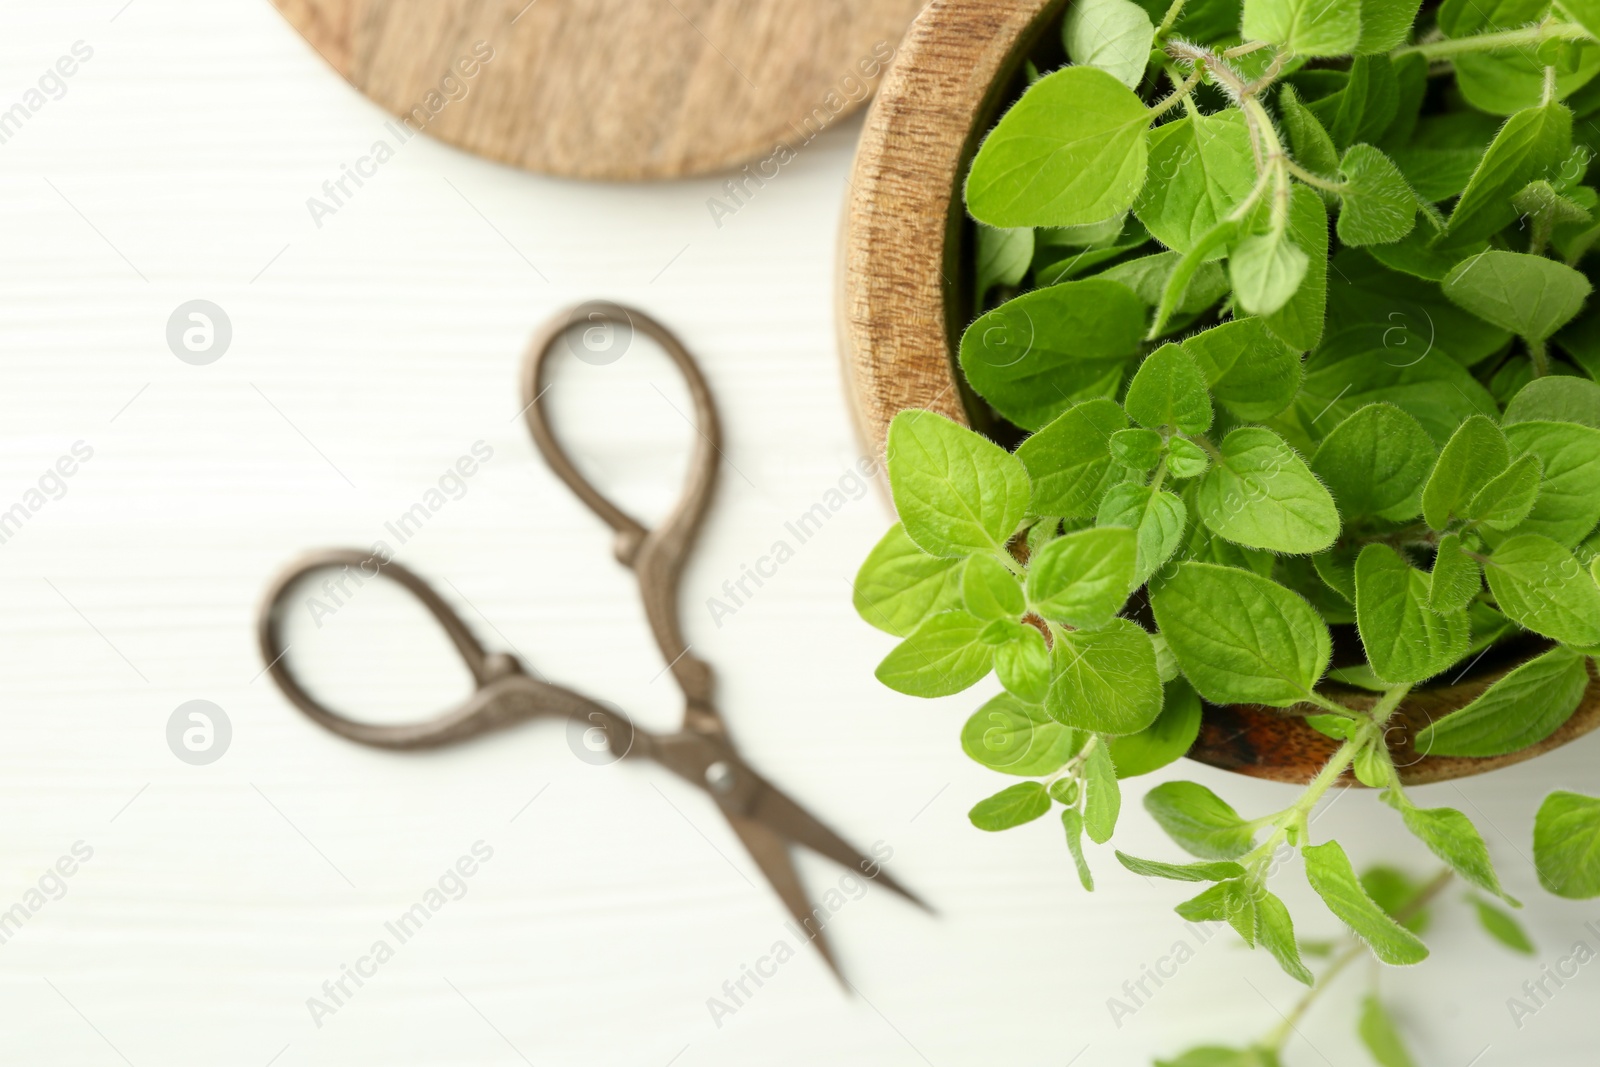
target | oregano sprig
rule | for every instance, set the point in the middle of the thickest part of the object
(1410, 905)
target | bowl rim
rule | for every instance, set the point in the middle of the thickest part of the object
(899, 318)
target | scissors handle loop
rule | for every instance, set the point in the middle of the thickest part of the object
(655, 556)
(504, 694)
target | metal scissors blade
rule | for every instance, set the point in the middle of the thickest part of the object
(771, 853)
(776, 810)
(766, 819)
(770, 823)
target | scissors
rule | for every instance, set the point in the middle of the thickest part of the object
(763, 817)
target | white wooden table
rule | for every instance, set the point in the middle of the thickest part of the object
(367, 355)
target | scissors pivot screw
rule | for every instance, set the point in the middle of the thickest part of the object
(720, 777)
(626, 548)
(500, 665)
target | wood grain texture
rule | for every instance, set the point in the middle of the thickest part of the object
(1264, 743)
(901, 249)
(902, 309)
(614, 89)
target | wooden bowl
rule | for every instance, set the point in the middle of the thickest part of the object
(903, 306)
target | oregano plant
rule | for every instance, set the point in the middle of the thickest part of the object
(1288, 302)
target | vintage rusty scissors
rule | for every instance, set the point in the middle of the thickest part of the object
(766, 820)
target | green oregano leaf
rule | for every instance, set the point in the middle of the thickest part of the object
(1247, 369)
(1015, 737)
(1371, 766)
(1375, 463)
(1165, 740)
(1266, 270)
(1337, 568)
(1261, 494)
(1423, 255)
(1520, 709)
(1204, 871)
(1439, 393)
(1456, 577)
(999, 632)
(1502, 81)
(1397, 893)
(1405, 640)
(1136, 448)
(1166, 665)
(1201, 169)
(1500, 925)
(1557, 398)
(1330, 874)
(1169, 390)
(1568, 505)
(899, 585)
(1530, 295)
(1185, 459)
(1070, 152)
(1034, 355)
(990, 591)
(1157, 518)
(1089, 236)
(1528, 146)
(1199, 821)
(1313, 148)
(1114, 35)
(1175, 293)
(1022, 663)
(1070, 252)
(1510, 495)
(1084, 577)
(1384, 26)
(1275, 930)
(1365, 105)
(1547, 208)
(944, 656)
(1147, 276)
(1233, 902)
(1106, 680)
(1069, 461)
(1305, 27)
(1102, 796)
(957, 492)
(1203, 546)
(1538, 583)
(1239, 637)
(1566, 845)
(1377, 204)
(1473, 456)
(1041, 533)
(1206, 21)
(1381, 1036)
(1299, 322)
(1072, 822)
(1003, 257)
(1012, 806)
(1585, 13)
(1451, 836)
(1401, 321)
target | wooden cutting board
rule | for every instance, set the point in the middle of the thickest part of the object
(619, 89)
